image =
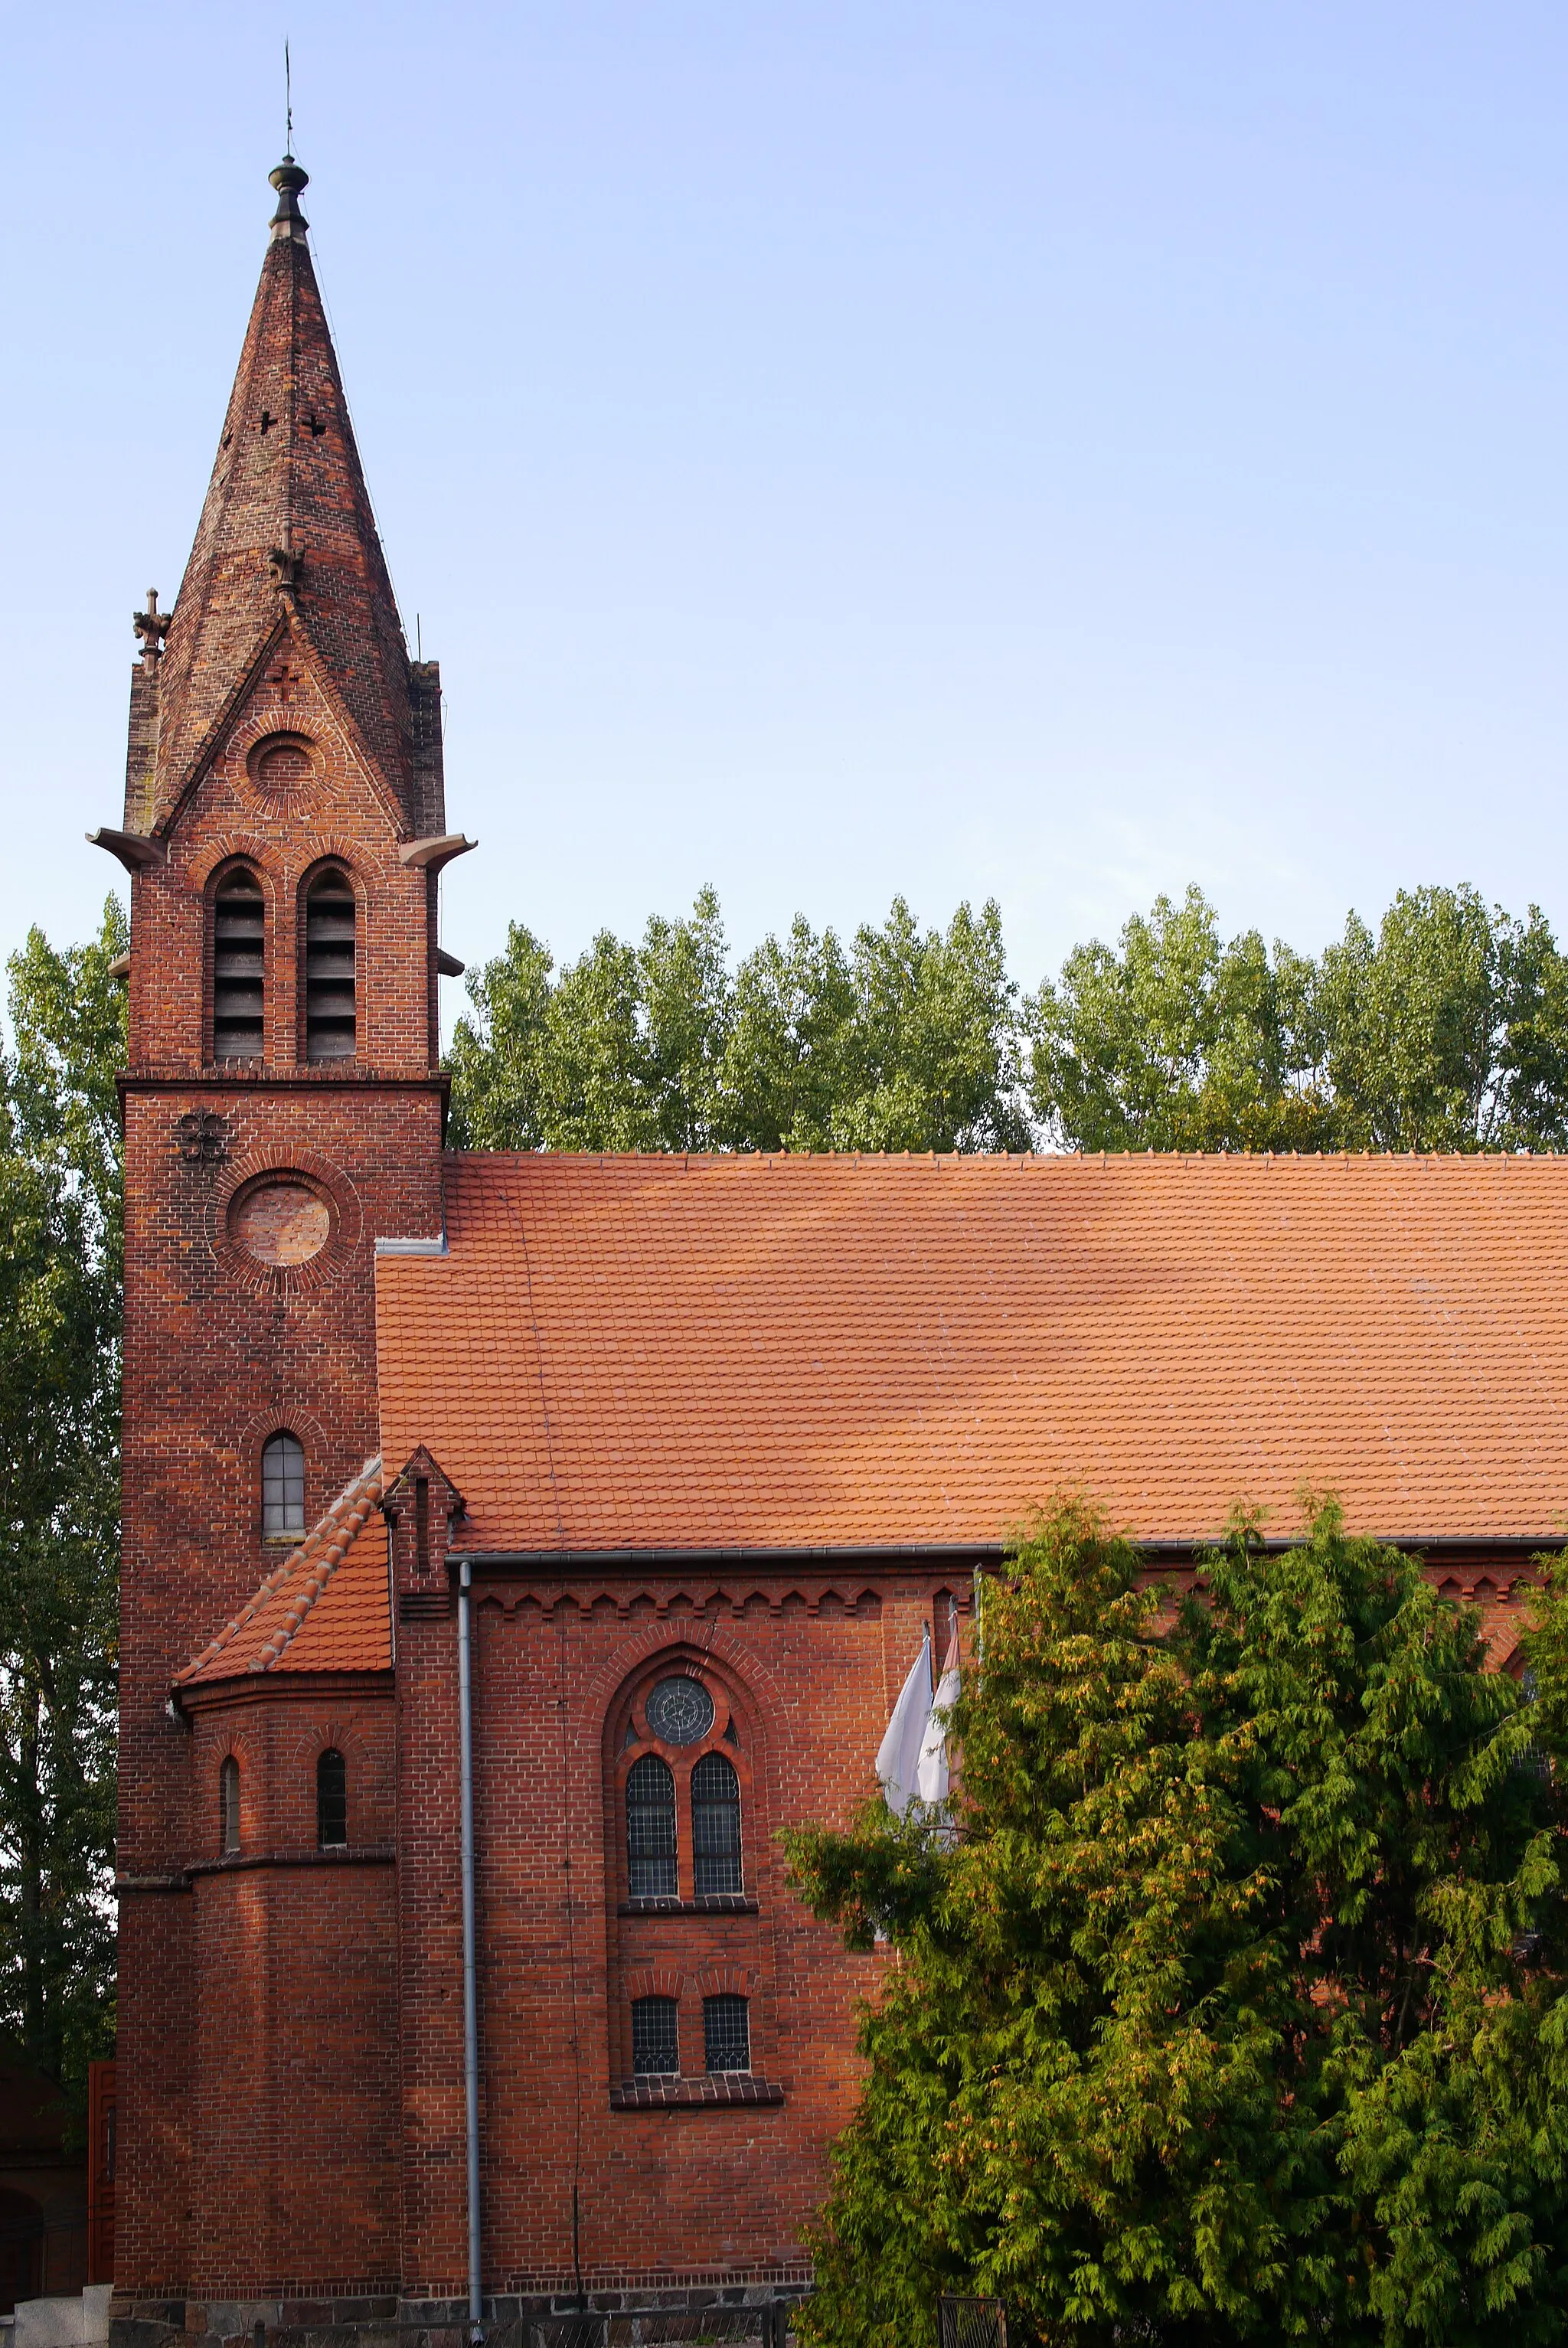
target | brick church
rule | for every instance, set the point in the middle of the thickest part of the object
(514, 1545)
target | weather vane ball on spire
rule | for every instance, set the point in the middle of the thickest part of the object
(288, 178)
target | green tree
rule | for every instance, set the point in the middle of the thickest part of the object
(1175, 1041)
(1448, 1030)
(1232, 2008)
(60, 1271)
(906, 1041)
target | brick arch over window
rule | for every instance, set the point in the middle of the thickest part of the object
(703, 1908)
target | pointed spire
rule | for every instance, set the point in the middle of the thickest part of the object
(286, 529)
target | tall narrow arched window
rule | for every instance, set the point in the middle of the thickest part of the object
(330, 992)
(239, 967)
(656, 2037)
(229, 1806)
(283, 1484)
(651, 1829)
(715, 1827)
(331, 1798)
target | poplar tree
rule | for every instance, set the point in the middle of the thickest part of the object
(60, 1252)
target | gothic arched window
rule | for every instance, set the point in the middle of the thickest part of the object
(283, 1484)
(330, 992)
(651, 1829)
(239, 967)
(331, 1798)
(715, 1827)
(229, 1806)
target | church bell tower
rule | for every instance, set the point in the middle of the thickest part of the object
(283, 828)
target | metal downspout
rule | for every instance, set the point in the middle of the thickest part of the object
(471, 1979)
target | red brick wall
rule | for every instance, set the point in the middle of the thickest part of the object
(669, 2194)
(258, 2004)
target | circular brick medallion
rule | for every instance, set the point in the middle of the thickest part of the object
(281, 762)
(281, 1222)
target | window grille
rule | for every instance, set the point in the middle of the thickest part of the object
(715, 1826)
(651, 1829)
(229, 1806)
(971, 2322)
(331, 1798)
(726, 2034)
(283, 1484)
(655, 2039)
(329, 971)
(239, 972)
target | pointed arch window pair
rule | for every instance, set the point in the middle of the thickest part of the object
(330, 972)
(652, 1859)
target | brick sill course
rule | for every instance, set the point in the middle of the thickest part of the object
(714, 1903)
(727, 2088)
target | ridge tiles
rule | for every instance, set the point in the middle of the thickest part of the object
(325, 1608)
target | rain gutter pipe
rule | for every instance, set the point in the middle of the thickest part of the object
(470, 1978)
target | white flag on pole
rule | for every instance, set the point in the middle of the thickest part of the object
(931, 1774)
(898, 1756)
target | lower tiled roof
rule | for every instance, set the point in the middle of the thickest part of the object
(793, 1352)
(325, 1609)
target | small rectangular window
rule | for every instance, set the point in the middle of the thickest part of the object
(655, 2043)
(726, 2034)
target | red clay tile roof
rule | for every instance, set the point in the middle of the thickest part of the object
(647, 1353)
(325, 1609)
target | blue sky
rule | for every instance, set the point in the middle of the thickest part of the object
(1039, 451)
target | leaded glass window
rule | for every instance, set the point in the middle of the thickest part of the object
(229, 1806)
(283, 1484)
(656, 2040)
(715, 1826)
(651, 1829)
(726, 2034)
(680, 1711)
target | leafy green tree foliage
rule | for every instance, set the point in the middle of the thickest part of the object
(60, 1261)
(1178, 1042)
(1232, 2008)
(1448, 1030)
(906, 1040)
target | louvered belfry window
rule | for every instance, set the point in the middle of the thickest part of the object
(239, 968)
(650, 1830)
(715, 1826)
(330, 991)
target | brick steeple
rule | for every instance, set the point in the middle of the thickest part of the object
(287, 538)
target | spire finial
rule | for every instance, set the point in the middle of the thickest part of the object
(288, 221)
(288, 106)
